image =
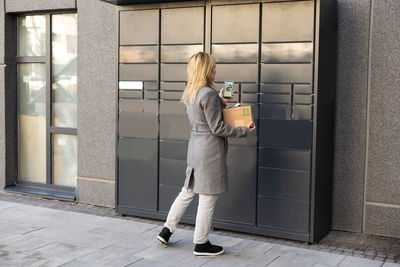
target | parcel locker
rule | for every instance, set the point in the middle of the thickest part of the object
(281, 55)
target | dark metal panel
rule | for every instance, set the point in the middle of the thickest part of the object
(283, 214)
(138, 118)
(171, 95)
(275, 111)
(182, 25)
(249, 88)
(287, 52)
(239, 203)
(286, 184)
(174, 123)
(228, 23)
(303, 112)
(131, 94)
(173, 72)
(138, 173)
(137, 54)
(172, 171)
(285, 159)
(173, 149)
(235, 53)
(289, 21)
(275, 88)
(168, 195)
(151, 94)
(179, 53)
(286, 134)
(280, 73)
(138, 27)
(249, 98)
(302, 88)
(171, 86)
(138, 72)
(237, 72)
(275, 98)
(303, 99)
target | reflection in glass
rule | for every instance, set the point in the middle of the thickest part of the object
(32, 122)
(32, 35)
(64, 159)
(64, 70)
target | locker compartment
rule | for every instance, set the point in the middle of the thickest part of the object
(174, 123)
(285, 159)
(237, 72)
(249, 87)
(284, 183)
(138, 173)
(235, 53)
(171, 95)
(283, 73)
(289, 21)
(179, 53)
(173, 72)
(283, 214)
(144, 23)
(182, 25)
(287, 52)
(238, 204)
(303, 112)
(138, 118)
(172, 171)
(249, 98)
(227, 23)
(138, 72)
(275, 99)
(172, 86)
(303, 88)
(138, 94)
(290, 134)
(138, 54)
(275, 111)
(276, 88)
(173, 149)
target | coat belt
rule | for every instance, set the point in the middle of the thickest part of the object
(200, 128)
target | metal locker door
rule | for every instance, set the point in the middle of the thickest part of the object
(235, 48)
(286, 103)
(181, 36)
(138, 110)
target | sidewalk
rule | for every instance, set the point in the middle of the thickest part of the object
(39, 232)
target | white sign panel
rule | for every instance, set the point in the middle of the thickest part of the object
(130, 85)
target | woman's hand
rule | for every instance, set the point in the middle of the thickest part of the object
(251, 126)
(222, 96)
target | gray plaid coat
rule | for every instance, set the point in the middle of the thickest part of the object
(206, 158)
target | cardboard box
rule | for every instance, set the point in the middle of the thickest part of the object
(237, 116)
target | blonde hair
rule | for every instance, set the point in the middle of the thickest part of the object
(200, 66)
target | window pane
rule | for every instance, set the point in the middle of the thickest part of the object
(64, 51)
(32, 122)
(64, 159)
(32, 36)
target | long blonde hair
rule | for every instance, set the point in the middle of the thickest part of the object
(200, 66)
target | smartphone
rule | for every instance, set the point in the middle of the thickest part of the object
(228, 89)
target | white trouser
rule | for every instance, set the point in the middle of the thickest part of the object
(205, 211)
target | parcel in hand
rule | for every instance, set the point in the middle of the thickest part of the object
(237, 116)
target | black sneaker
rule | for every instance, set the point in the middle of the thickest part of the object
(207, 249)
(164, 235)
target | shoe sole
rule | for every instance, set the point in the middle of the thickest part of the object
(207, 253)
(162, 240)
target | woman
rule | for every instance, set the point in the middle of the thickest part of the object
(206, 172)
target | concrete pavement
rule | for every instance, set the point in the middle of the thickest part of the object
(42, 236)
